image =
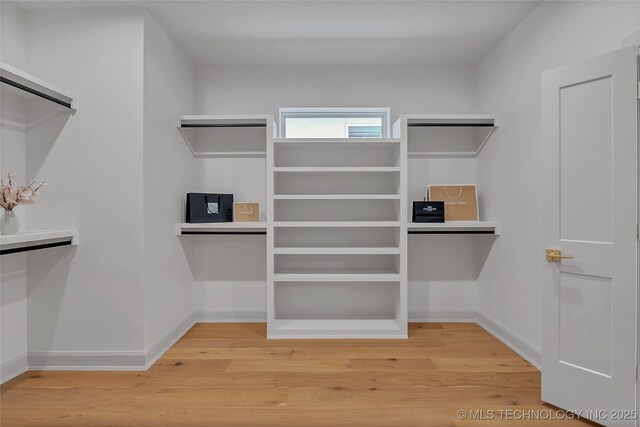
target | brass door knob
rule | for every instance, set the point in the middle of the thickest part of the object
(555, 255)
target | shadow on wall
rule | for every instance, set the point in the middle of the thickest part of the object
(448, 256)
(47, 282)
(43, 129)
(228, 258)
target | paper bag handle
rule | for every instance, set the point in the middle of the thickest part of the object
(447, 193)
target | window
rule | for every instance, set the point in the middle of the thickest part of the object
(334, 122)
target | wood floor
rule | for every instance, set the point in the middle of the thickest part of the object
(230, 375)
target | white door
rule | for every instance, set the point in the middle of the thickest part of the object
(589, 125)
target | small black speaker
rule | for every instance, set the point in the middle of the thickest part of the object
(428, 212)
(208, 207)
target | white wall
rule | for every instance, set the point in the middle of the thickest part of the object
(89, 298)
(169, 295)
(508, 82)
(231, 278)
(13, 275)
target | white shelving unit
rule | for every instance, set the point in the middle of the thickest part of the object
(337, 218)
(335, 234)
(31, 240)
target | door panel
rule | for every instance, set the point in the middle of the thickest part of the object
(589, 113)
(586, 147)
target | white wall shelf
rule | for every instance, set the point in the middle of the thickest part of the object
(337, 169)
(337, 277)
(337, 251)
(312, 224)
(17, 83)
(339, 141)
(480, 227)
(31, 240)
(336, 197)
(216, 134)
(337, 328)
(447, 135)
(213, 228)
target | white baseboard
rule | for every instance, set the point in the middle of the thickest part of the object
(142, 360)
(443, 315)
(530, 353)
(230, 316)
(110, 360)
(164, 343)
(13, 367)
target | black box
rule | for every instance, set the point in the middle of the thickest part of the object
(428, 212)
(207, 207)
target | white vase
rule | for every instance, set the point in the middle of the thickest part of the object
(9, 224)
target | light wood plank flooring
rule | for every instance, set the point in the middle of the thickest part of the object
(230, 375)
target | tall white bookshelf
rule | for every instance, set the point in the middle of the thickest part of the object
(337, 264)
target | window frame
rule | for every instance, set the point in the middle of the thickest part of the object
(382, 113)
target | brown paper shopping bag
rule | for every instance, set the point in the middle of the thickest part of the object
(246, 212)
(460, 201)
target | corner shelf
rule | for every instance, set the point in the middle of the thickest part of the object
(17, 83)
(192, 126)
(480, 227)
(479, 127)
(221, 228)
(31, 240)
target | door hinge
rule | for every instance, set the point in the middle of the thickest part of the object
(639, 90)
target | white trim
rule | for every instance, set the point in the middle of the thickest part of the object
(230, 316)
(165, 342)
(518, 344)
(443, 315)
(143, 360)
(13, 367)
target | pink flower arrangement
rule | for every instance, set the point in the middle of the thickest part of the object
(13, 195)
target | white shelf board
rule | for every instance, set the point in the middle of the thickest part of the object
(485, 124)
(229, 153)
(345, 250)
(336, 197)
(225, 120)
(34, 87)
(337, 324)
(340, 141)
(220, 227)
(338, 169)
(467, 120)
(29, 238)
(490, 227)
(313, 224)
(336, 277)
(189, 125)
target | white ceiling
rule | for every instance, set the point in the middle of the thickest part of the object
(328, 32)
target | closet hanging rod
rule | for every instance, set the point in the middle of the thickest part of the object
(223, 125)
(35, 247)
(452, 125)
(451, 232)
(34, 92)
(224, 232)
